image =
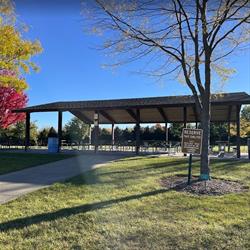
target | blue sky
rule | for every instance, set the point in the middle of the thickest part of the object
(71, 68)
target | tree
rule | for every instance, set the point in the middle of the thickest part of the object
(15, 60)
(16, 133)
(245, 123)
(245, 113)
(190, 38)
(11, 99)
(43, 137)
(76, 130)
(15, 51)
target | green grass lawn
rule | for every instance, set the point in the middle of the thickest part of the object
(10, 162)
(123, 206)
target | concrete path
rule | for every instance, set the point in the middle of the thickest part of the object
(16, 184)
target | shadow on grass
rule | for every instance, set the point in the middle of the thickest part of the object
(172, 164)
(66, 212)
(94, 176)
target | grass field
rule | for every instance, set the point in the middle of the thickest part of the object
(123, 206)
(10, 162)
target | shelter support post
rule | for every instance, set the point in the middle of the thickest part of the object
(137, 132)
(228, 126)
(238, 130)
(96, 130)
(113, 136)
(59, 130)
(228, 135)
(27, 131)
(89, 134)
(185, 119)
(166, 132)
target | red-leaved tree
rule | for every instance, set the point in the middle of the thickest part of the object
(10, 99)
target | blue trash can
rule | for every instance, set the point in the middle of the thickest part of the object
(52, 144)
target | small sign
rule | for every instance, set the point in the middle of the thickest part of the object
(191, 141)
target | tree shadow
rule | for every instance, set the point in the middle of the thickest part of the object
(229, 165)
(152, 166)
(94, 176)
(21, 223)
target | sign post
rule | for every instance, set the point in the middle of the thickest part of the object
(191, 144)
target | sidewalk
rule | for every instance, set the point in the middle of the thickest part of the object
(16, 184)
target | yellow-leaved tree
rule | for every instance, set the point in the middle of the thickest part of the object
(15, 51)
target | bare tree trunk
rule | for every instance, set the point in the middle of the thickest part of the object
(205, 124)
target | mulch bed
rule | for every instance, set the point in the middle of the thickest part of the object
(211, 187)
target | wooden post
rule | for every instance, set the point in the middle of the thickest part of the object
(228, 135)
(59, 131)
(89, 134)
(166, 132)
(238, 130)
(185, 119)
(137, 132)
(113, 136)
(228, 126)
(96, 130)
(196, 125)
(27, 131)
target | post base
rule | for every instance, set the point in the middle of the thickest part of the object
(204, 177)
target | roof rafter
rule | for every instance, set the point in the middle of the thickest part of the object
(163, 114)
(132, 114)
(81, 116)
(107, 116)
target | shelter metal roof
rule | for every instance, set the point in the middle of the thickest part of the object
(152, 109)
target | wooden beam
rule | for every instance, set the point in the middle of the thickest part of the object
(27, 131)
(185, 116)
(195, 114)
(107, 116)
(81, 116)
(229, 113)
(166, 133)
(185, 119)
(59, 131)
(228, 126)
(132, 114)
(90, 134)
(113, 135)
(238, 107)
(163, 114)
(96, 130)
(137, 132)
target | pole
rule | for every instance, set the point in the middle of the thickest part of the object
(113, 136)
(228, 135)
(27, 131)
(190, 169)
(166, 132)
(185, 119)
(137, 132)
(238, 132)
(96, 130)
(59, 130)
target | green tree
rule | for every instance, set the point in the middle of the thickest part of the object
(76, 130)
(43, 137)
(245, 113)
(16, 133)
(188, 38)
(245, 123)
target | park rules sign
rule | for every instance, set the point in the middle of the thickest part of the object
(191, 141)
